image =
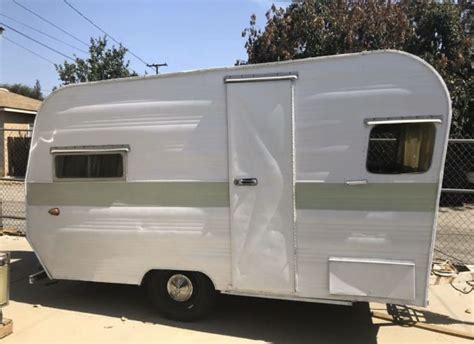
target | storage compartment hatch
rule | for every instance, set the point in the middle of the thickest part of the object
(389, 279)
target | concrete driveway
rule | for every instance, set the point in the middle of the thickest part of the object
(81, 312)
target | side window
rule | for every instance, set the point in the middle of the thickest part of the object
(89, 166)
(400, 148)
(90, 162)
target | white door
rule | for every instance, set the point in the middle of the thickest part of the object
(261, 176)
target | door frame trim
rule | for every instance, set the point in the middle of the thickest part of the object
(293, 163)
(291, 77)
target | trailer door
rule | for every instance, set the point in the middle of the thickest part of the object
(261, 182)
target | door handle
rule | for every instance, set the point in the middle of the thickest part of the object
(356, 182)
(245, 181)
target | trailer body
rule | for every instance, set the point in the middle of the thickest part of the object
(314, 180)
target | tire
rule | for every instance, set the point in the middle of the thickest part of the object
(187, 303)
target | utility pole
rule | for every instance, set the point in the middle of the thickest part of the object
(157, 66)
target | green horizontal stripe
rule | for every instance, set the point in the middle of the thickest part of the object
(318, 196)
(155, 194)
(375, 197)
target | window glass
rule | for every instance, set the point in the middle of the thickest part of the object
(105, 166)
(71, 166)
(400, 148)
(89, 166)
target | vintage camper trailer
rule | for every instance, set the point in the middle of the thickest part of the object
(314, 180)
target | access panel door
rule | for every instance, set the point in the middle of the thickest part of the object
(261, 176)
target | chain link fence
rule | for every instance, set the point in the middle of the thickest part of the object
(13, 161)
(455, 232)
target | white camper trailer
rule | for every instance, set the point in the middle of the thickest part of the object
(314, 180)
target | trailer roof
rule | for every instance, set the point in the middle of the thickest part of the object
(248, 67)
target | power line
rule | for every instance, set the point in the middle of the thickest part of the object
(38, 42)
(43, 33)
(31, 51)
(103, 31)
(50, 23)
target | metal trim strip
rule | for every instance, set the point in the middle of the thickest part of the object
(375, 121)
(243, 78)
(90, 149)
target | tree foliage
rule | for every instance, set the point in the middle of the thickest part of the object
(438, 32)
(25, 90)
(103, 63)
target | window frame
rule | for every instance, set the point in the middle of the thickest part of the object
(122, 150)
(372, 123)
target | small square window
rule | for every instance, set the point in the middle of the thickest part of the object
(400, 148)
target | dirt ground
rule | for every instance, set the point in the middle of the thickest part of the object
(81, 312)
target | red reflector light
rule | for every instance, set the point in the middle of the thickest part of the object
(54, 211)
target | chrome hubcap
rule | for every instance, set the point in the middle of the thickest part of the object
(180, 288)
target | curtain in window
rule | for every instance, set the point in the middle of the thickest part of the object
(417, 146)
(71, 166)
(427, 146)
(105, 166)
(411, 143)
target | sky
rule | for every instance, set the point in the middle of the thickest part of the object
(186, 34)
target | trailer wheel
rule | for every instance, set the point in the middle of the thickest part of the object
(181, 295)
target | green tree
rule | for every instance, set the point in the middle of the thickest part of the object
(25, 90)
(103, 63)
(438, 32)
